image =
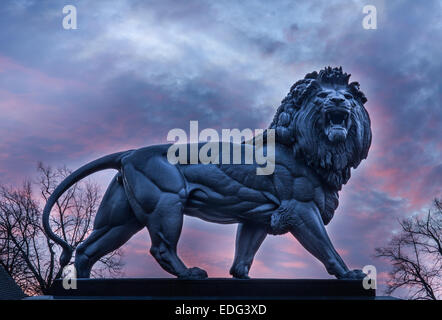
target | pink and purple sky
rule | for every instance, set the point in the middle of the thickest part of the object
(133, 70)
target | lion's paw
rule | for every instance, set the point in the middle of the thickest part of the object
(353, 275)
(240, 271)
(194, 273)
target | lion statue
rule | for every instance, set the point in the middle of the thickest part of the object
(321, 131)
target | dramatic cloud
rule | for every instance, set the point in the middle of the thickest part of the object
(133, 70)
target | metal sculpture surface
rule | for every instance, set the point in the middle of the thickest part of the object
(322, 130)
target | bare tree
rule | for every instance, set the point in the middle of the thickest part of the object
(26, 253)
(416, 256)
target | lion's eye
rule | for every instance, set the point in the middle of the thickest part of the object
(322, 94)
(348, 96)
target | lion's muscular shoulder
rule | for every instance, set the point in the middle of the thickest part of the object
(303, 185)
(294, 180)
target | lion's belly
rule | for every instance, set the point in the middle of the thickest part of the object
(227, 194)
(205, 203)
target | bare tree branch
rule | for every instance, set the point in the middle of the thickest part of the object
(25, 251)
(416, 256)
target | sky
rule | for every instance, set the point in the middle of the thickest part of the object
(133, 70)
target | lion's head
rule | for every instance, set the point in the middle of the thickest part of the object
(324, 119)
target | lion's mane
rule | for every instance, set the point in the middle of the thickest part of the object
(296, 125)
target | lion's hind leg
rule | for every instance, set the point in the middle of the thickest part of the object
(107, 242)
(164, 225)
(157, 193)
(114, 225)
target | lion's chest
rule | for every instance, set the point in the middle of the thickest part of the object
(298, 182)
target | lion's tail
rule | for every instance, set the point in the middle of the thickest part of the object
(112, 161)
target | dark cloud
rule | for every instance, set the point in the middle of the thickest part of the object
(136, 69)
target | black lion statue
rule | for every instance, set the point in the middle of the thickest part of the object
(321, 130)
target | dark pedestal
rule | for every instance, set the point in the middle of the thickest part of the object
(214, 288)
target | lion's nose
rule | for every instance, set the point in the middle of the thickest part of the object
(337, 100)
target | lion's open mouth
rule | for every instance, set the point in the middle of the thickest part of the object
(336, 125)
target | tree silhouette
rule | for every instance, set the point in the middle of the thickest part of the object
(26, 253)
(416, 256)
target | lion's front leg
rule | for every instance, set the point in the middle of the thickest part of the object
(309, 230)
(249, 237)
